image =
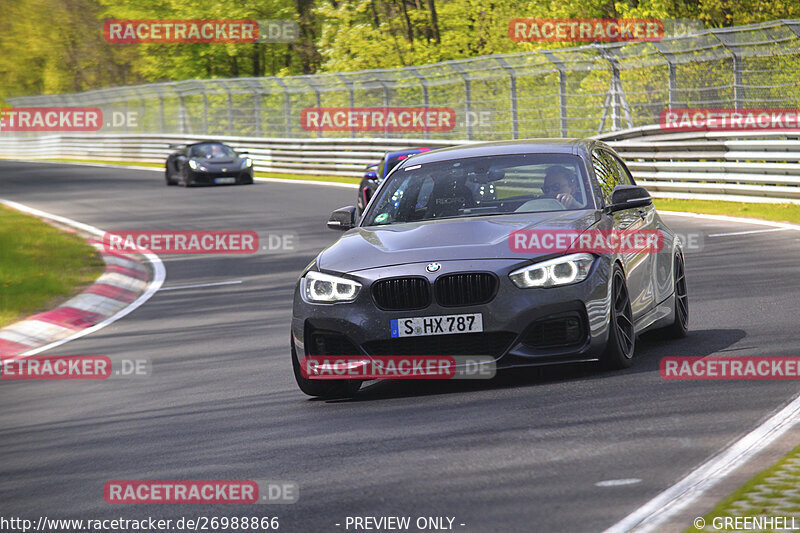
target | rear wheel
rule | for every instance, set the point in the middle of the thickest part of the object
(680, 327)
(343, 388)
(621, 334)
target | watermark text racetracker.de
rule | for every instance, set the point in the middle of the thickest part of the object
(757, 368)
(73, 367)
(198, 242)
(702, 119)
(397, 367)
(533, 30)
(64, 119)
(200, 31)
(597, 241)
(206, 492)
(378, 119)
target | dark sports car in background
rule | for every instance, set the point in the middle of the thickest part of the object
(430, 248)
(208, 163)
(378, 171)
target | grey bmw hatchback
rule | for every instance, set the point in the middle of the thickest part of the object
(454, 256)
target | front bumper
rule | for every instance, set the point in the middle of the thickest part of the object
(208, 178)
(519, 325)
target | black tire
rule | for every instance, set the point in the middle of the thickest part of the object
(328, 389)
(680, 327)
(621, 334)
(168, 178)
(185, 178)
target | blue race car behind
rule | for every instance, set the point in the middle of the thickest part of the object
(378, 171)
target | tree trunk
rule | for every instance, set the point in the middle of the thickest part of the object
(434, 21)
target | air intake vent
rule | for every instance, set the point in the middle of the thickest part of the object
(471, 288)
(402, 293)
(556, 332)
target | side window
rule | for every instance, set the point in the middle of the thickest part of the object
(624, 173)
(606, 171)
(380, 169)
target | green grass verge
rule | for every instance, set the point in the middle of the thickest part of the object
(334, 179)
(760, 485)
(41, 266)
(776, 212)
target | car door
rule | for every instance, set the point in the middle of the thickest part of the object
(610, 172)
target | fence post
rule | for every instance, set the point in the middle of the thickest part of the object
(255, 85)
(562, 92)
(512, 76)
(467, 96)
(672, 82)
(736, 63)
(205, 110)
(287, 106)
(230, 105)
(161, 106)
(424, 83)
(351, 94)
(315, 87)
(616, 93)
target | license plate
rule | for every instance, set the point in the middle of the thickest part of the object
(225, 180)
(437, 325)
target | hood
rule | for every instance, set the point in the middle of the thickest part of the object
(442, 240)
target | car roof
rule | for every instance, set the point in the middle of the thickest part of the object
(407, 151)
(525, 146)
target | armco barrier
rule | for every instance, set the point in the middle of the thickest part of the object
(331, 157)
(739, 166)
(742, 166)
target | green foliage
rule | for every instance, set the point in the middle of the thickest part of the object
(56, 46)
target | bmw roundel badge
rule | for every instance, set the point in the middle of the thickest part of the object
(433, 267)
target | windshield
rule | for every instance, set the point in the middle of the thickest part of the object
(212, 151)
(528, 183)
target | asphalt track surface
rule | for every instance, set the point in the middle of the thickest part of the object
(519, 454)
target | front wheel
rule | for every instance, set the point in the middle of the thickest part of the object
(621, 334)
(328, 389)
(168, 178)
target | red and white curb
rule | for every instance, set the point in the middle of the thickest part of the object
(129, 280)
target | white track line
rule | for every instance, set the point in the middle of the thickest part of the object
(159, 274)
(179, 287)
(747, 232)
(669, 502)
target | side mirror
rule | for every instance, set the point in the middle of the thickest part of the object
(242, 152)
(628, 197)
(371, 174)
(343, 218)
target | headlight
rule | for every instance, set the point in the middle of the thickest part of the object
(321, 287)
(193, 164)
(554, 272)
(247, 163)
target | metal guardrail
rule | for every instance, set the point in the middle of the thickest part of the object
(560, 92)
(737, 166)
(744, 166)
(331, 157)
